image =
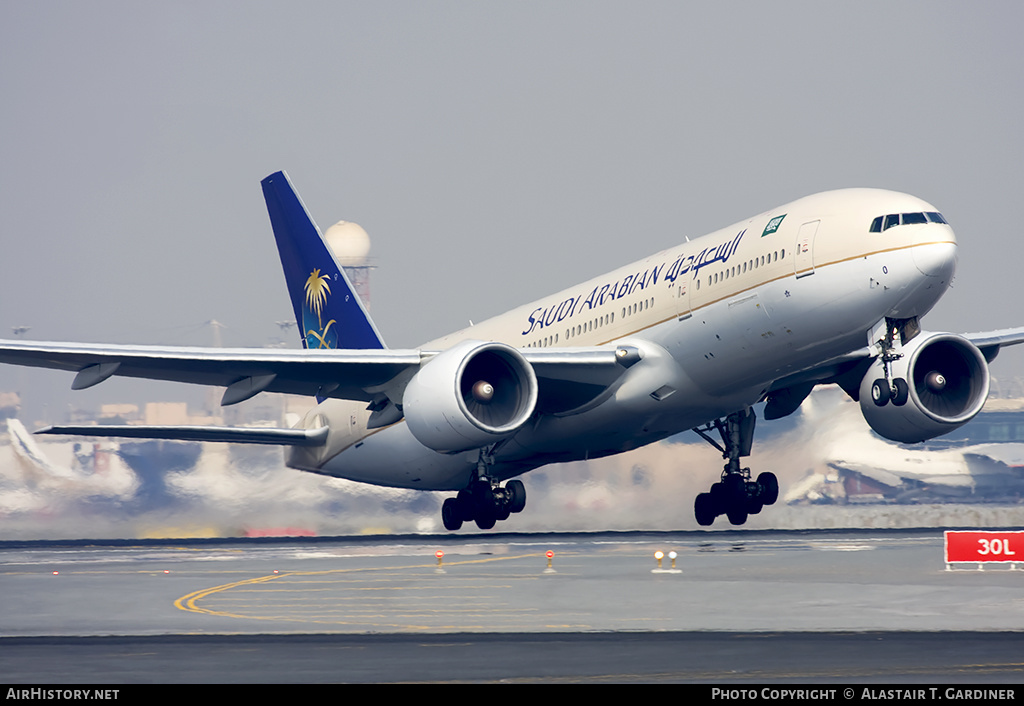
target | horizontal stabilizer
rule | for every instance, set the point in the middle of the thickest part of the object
(235, 435)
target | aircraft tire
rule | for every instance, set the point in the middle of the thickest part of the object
(517, 495)
(451, 514)
(718, 491)
(465, 505)
(734, 490)
(769, 485)
(486, 520)
(754, 505)
(704, 509)
(901, 392)
(737, 514)
(881, 393)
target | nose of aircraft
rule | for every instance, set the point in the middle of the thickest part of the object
(935, 256)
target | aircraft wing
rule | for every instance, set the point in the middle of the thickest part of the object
(300, 372)
(343, 374)
(989, 342)
(870, 471)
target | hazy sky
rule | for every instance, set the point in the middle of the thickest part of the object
(494, 151)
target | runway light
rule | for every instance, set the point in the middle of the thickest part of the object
(440, 556)
(167, 571)
(275, 571)
(55, 573)
(550, 555)
(659, 555)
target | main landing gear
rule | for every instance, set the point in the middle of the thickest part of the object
(735, 495)
(484, 501)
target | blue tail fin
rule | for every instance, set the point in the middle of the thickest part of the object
(327, 308)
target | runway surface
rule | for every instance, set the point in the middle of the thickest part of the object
(366, 607)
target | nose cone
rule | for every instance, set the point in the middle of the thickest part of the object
(935, 251)
(936, 259)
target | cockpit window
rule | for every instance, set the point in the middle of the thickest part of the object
(895, 219)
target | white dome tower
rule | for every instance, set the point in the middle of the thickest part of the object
(350, 243)
(351, 247)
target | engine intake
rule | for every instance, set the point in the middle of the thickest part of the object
(948, 382)
(471, 395)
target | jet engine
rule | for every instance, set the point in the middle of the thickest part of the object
(469, 396)
(937, 385)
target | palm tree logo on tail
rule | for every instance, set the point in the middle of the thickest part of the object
(317, 289)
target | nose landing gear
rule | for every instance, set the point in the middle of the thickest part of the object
(890, 388)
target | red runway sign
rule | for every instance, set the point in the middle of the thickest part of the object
(980, 546)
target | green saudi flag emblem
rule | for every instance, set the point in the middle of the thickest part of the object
(773, 225)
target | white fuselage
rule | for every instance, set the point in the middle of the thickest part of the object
(717, 319)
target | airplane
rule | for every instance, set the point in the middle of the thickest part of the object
(40, 484)
(856, 466)
(979, 472)
(826, 289)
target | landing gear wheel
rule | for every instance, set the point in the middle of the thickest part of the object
(517, 495)
(754, 505)
(464, 504)
(451, 514)
(737, 515)
(734, 489)
(704, 509)
(881, 393)
(719, 498)
(486, 519)
(901, 392)
(769, 486)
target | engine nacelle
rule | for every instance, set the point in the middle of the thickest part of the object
(948, 381)
(471, 395)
